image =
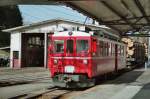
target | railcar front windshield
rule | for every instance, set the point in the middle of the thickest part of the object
(59, 46)
(70, 46)
(82, 46)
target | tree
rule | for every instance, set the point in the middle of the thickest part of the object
(10, 17)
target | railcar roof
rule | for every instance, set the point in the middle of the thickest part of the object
(74, 33)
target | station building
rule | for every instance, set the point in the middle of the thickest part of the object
(29, 43)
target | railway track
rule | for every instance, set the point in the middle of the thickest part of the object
(23, 78)
(50, 93)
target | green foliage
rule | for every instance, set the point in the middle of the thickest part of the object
(10, 16)
(4, 39)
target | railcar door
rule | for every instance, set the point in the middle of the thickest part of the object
(69, 58)
(76, 55)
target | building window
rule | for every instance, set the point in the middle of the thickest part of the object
(15, 54)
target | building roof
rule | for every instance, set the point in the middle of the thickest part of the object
(4, 48)
(39, 24)
(50, 22)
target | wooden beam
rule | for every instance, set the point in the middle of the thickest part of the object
(73, 6)
(141, 8)
(118, 14)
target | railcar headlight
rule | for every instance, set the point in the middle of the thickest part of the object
(85, 61)
(55, 61)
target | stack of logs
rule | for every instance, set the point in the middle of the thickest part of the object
(130, 46)
(146, 49)
(129, 42)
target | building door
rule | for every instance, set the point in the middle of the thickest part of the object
(16, 59)
(32, 50)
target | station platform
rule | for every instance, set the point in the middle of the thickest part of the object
(131, 85)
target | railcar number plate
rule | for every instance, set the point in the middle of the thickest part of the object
(69, 69)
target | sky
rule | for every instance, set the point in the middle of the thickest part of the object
(38, 13)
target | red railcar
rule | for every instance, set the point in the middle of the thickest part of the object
(76, 58)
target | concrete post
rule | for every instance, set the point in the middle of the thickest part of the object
(146, 65)
(45, 50)
(148, 52)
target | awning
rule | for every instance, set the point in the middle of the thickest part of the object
(120, 15)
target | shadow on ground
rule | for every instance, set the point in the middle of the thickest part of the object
(127, 78)
(121, 78)
(144, 93)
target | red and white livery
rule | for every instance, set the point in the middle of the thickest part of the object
(76, 58)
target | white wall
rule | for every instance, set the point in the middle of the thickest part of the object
(42, 29)
(15, 45)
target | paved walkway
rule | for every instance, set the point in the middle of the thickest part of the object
(131, 85)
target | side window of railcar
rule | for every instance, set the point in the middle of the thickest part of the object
(99, 52)
(109, 46)
(122, 50)
(105, 49)
(113, 49)
(82, 45)
(58, 46)
(118, 51)
(101, 48)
